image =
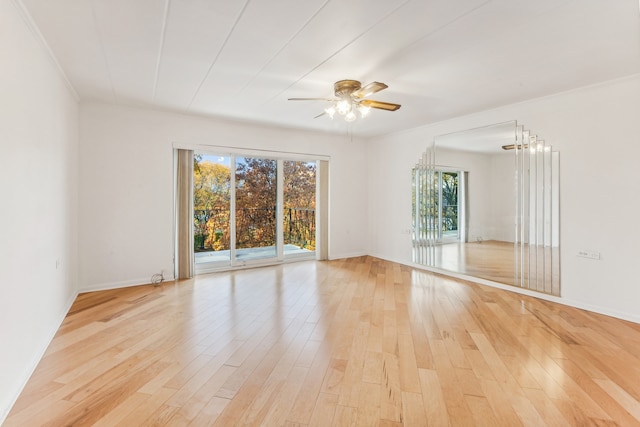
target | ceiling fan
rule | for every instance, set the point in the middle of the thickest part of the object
(350, 96)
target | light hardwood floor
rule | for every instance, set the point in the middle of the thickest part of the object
(355, 342)
(494, 260)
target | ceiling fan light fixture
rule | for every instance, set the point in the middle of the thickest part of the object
(330, 111)
(364, 110)
(350, 96)
(350, 116)
(343, 107)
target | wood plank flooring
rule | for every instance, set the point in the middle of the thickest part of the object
(494, 260)
(354, 342)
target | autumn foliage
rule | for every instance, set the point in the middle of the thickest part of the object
(255, 203)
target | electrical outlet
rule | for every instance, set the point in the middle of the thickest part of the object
(589, 254)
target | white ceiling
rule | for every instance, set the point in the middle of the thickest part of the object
(243, 59)
(488, 139)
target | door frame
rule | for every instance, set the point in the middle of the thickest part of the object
(321, 214)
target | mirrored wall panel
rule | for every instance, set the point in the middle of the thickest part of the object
(486, 204)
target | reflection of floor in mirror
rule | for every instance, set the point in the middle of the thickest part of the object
(494, 260)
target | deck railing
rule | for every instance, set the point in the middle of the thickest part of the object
(255, 227)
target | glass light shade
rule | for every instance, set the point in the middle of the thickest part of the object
(330, 111)
(363, 110)
(343, 106)
(350, 116)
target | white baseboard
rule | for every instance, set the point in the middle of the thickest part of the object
(35, 360)
(122, 284)
(631, 317)
(333, 257)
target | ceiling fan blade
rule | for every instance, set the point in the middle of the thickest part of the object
(369, 89)
(380, 105)
(312, 99)
(320, 115)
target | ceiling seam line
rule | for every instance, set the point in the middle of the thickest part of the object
(104, 52)
(338, 51)
(215, 59)
(275, 55)
(442, 27)
(167, 7)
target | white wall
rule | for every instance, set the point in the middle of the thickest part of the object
(502, 197)
(126, 186)
(595, 129)
(38, 184)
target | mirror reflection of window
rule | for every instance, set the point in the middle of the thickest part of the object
(448, 205)
(501, 227)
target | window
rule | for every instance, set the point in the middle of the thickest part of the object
(249, 210)
(438, 205)
(448, 205)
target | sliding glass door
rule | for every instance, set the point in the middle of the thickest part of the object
(211, 209)
(252, 210)
(449, 206)
(299, 200)
(255, 208)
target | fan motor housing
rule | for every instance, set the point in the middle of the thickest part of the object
(345, 88)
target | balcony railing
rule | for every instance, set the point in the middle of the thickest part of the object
(255, 227)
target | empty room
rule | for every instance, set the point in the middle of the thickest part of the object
(319, 213)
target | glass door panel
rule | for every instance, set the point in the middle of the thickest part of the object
(450, 205)
(299, 202)
(252, 209)
(211, 209)
(255, 208)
